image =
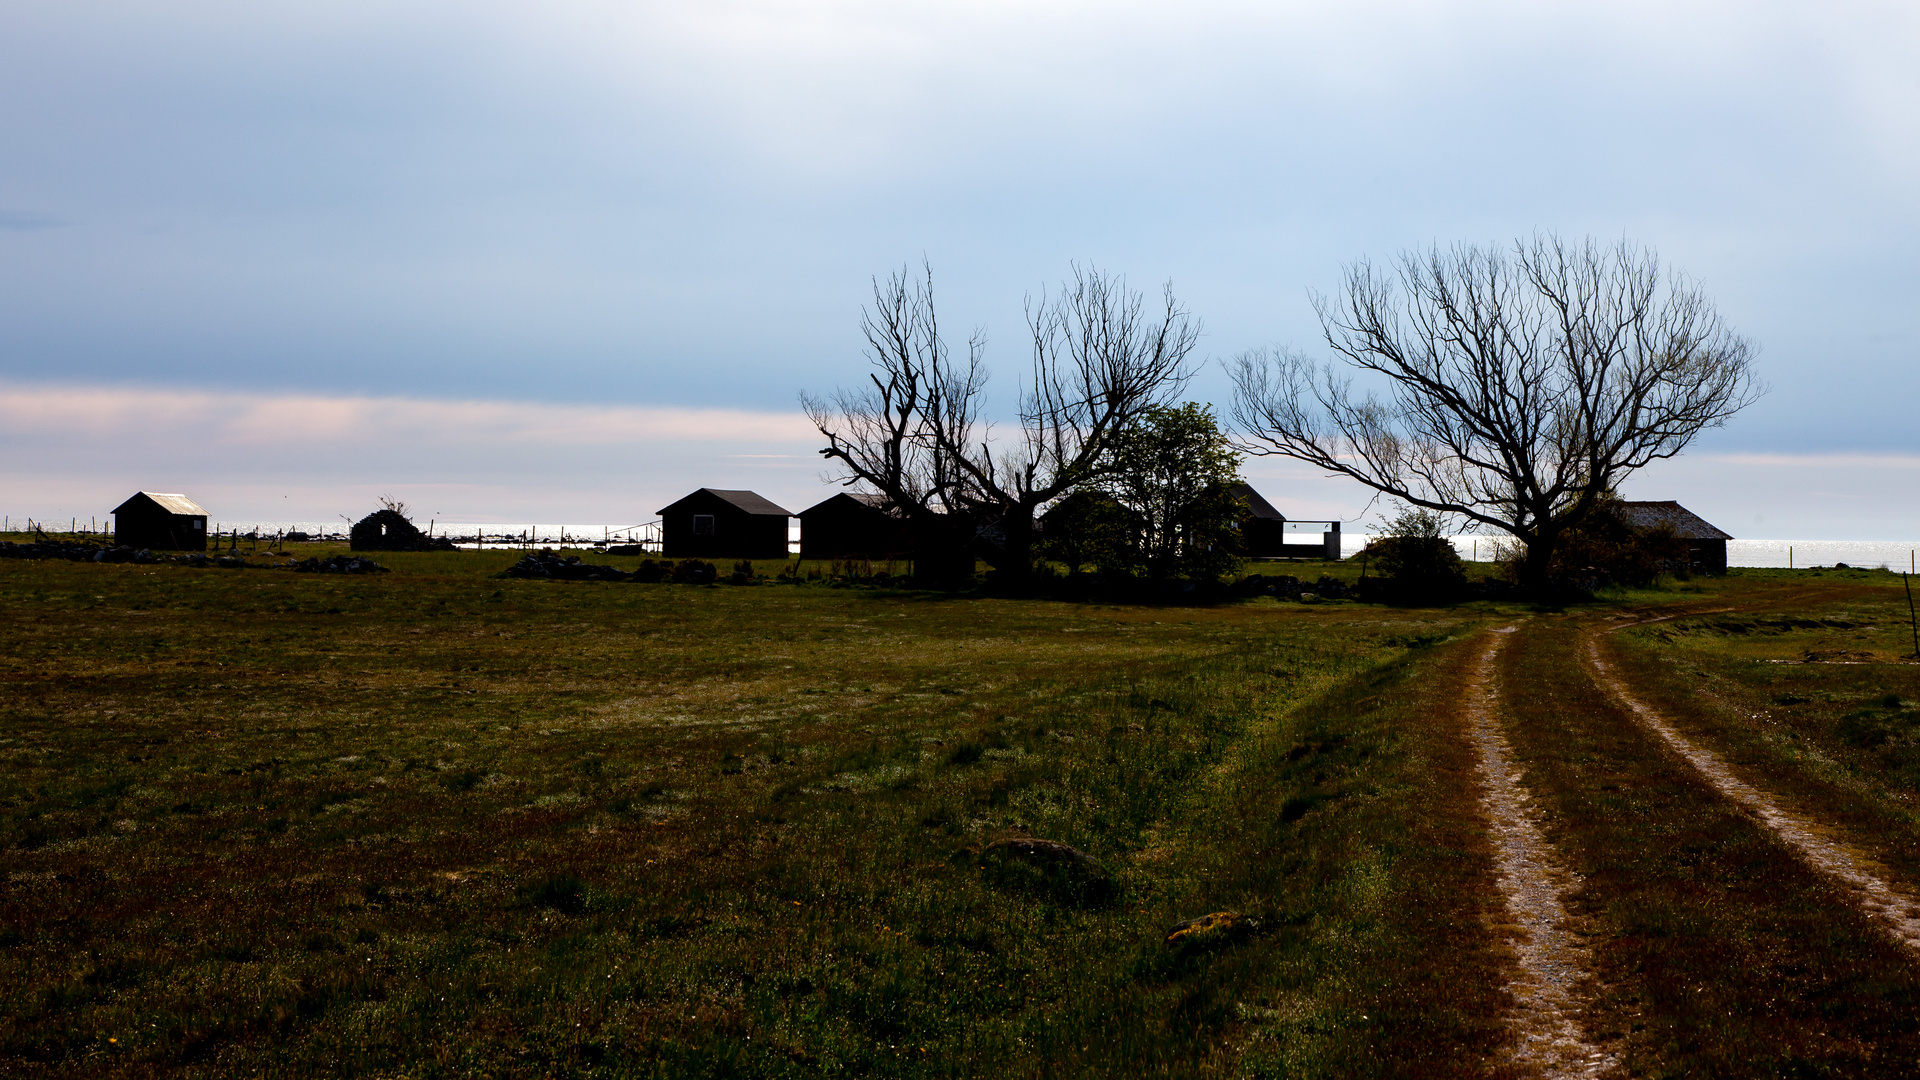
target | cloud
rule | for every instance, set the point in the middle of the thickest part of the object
(27, 221)
(295, 456)
(231, 421)
(1829, 462)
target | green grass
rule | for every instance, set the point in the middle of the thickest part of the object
(1840, 734)
(437, 823)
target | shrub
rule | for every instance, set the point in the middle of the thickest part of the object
(1414, 563)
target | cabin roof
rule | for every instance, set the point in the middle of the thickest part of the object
(1686, 524)
(870, 500)
(1258, 507)
(170, 502)
(745, 501)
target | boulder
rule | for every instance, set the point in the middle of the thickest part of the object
(1211, 931)
(548, 566)
(1038, 852)
(339, 564)
(1048, 870)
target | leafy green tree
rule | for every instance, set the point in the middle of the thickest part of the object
(1089, 528)
(1172, 470)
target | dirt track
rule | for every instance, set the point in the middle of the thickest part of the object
(1554, 968)
(1821, 847)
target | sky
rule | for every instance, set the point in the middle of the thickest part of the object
(567, 261)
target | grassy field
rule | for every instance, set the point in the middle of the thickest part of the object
(437, 823)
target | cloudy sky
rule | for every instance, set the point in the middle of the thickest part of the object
(565, 261)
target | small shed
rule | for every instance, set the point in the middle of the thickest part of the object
(853, 525)
(1706, 544)
(156, 519)
(713, 523)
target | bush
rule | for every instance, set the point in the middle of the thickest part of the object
(1414, 563)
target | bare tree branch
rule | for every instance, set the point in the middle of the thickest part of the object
(1513, 391)
(1100, 358)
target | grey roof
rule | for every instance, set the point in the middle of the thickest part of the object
(1260, 507)
(744, 500)
(1685, 524)
(171, 503)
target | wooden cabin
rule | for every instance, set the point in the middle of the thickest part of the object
(155, 519)
(1706, 544)
(853, 525)
(713, 523)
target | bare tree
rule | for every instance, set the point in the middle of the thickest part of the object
(914, 433)
(1515, 391)
(903, 434)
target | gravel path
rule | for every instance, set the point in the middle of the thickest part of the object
(1554, 967)
(1893, 910)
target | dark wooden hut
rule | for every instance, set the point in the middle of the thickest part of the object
(1706, 545)
(853, 525)
(155, 519)
(716, 524)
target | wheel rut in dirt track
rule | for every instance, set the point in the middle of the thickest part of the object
(1892, 909)
(1553, 967)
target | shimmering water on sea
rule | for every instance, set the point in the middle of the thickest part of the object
(1892, 554)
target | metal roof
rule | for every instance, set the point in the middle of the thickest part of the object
(743, 500)
(171, 503)
(1260, 507)
(1685, 524)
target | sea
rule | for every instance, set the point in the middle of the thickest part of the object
(1872, 554)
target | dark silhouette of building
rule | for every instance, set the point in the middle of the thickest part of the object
(1706, 545)
(1263, 532)
(716, 524)
(853, 525)
(154, 519)
(389, 530)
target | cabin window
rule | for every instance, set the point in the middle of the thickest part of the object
(703, 524)
(198, 525)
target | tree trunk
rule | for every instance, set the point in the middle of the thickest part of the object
(942, 551)
(1536, 565)
(1015, 556)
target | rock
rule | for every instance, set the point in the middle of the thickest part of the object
(1038, 852)
(1309, 598)
(694, 572)
(1048, 870)
(339, 564)
(73, 550)
(1211, 931)
(548, 566)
